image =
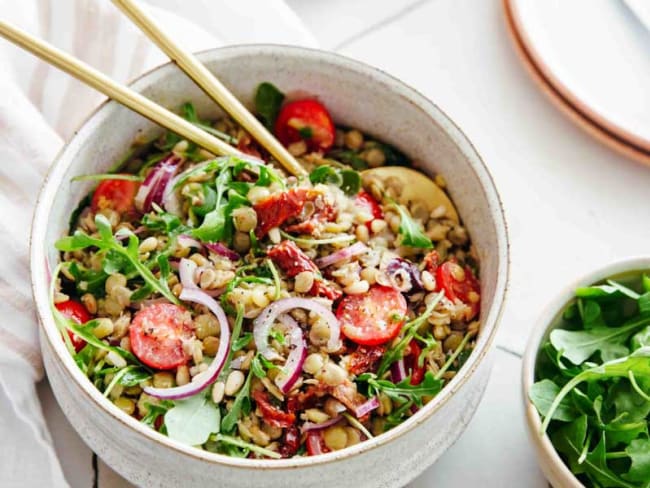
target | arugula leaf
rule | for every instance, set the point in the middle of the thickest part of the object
(192, 420)
(155, 410)
(644, 303)
(350, 158)
(597, 469)
(240, 406)
(542, 395)
(347, 179)
(579, 345)
(107, 242)
(409, 330)
(411, 233)
(639, 453)
(163, 222)
(88, 280)
(268, 100)
(242, 342)
(107, 176)
(645, 282)
(128, 376)
(570, 441)
(637, 363)
(189, 114)
(404, 390)
(245, 446)
(640, 339)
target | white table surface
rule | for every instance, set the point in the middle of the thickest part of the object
(571, 204)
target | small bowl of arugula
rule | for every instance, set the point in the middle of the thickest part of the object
(586, 381)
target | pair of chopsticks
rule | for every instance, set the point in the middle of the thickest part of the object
(142, 105)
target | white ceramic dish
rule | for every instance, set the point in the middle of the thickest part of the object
(556, 472)
(358, 96)
(604, 76)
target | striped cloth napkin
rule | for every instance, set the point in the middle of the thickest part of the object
(40, 108)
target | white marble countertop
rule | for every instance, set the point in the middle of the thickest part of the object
(571, 204)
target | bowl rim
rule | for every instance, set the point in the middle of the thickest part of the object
(52, 181)
(542, 443)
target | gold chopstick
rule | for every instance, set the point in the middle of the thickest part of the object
(114, 90)
(211, 85)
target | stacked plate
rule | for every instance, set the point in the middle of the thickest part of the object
(592, 58)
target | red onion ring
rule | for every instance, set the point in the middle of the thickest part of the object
(355, 249)
(311, 426)
(398, 371)
(264, 321)
(366, 407)
(222, 250)
(153, 188)
(293, 367)
(187, 273)
(187, 241)
(314, 446)
(207, 377)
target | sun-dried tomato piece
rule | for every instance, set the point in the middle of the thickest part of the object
(276, 209)
(291, 260)
(306, 399)
(431, 262)
(272, 415)
(365, 358)
(325, 211)
(290, 442)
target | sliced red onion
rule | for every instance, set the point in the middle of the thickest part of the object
(355, 249)
(207, 377)
(311, 426)
(293, 367)
(222, 250)
(402, 275)
(366, 407)
(153, 188)
(187, 241)
(264, 321)
(398, 371)
(187, 273)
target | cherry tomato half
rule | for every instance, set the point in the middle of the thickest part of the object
(157, 334)
(366, 202)
(460, 284)
(306, 120)
(373, 318)
(77, 312)
(116, 194)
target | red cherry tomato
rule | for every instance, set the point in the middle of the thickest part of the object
(460, 284)
(366, 202)
(306, 120)
(116, 194)
(157, 334)
(77, 312)
(411, 363)
(373, 318)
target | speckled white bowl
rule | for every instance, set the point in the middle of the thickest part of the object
(556, 472)
(358, 96)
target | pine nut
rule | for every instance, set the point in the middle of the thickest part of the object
(218, 391)
(234, 382)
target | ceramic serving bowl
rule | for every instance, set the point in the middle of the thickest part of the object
(556, 472)
(357, 96)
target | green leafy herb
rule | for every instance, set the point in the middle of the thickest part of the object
(246, 446)
(129, 253)
(348, 180)
(268, 100)
(240, 406)
(192, 420)
(578, 346)
(404, 390)
(154, 411)
(350, 158)
(242, 342)
(128, 376)
(410, 231)
(542, 395)
(88, 280)
(410, 330)
(189, 114)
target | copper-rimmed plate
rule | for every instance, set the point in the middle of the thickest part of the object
(618, 114)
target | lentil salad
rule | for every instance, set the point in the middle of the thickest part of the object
(237, 309)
